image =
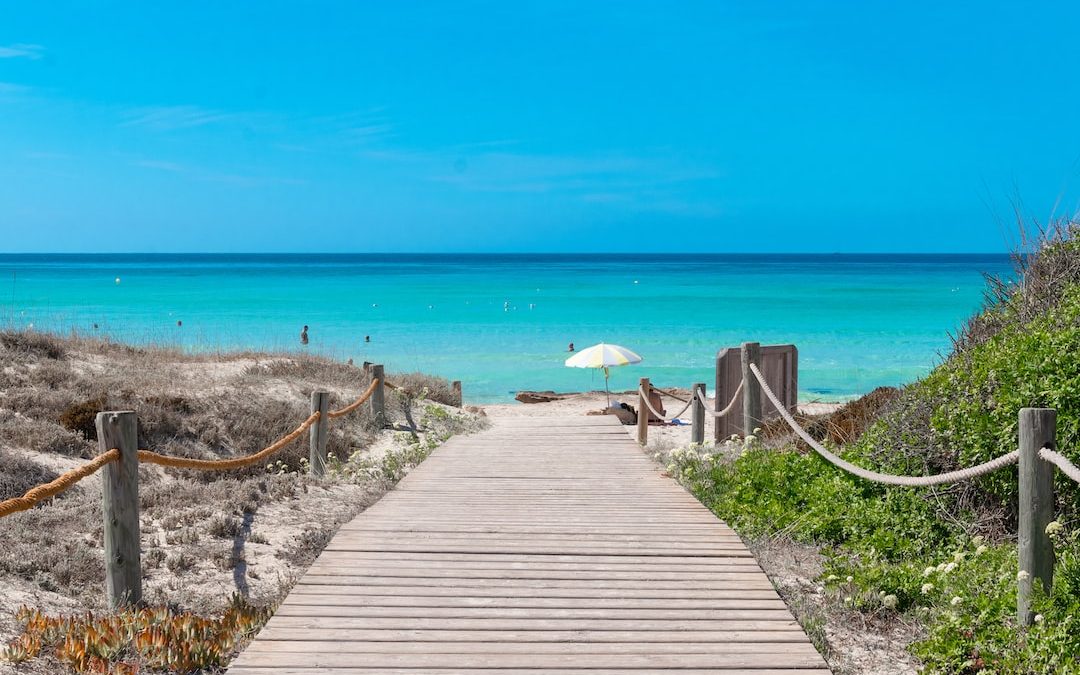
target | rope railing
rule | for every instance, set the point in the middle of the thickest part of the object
(341, 412)
(228, 464)
(1035, 456)
(1061, 462)
(67, 480)
(727, 409)
(645, 400)
(117, 434)
(877, 477)
(58, 485)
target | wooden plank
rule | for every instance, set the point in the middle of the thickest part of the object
(415, 647)
(534, 636)
(335, 608)
(351, 670)
(528, 661)
(325, 596)
(549, 546)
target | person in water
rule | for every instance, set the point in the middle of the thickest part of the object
(571, 347)
(367, 338)
(303, 336)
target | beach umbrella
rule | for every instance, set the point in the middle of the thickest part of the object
(603, 356)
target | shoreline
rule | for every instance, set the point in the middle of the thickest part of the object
(661, 437)
(814, 406)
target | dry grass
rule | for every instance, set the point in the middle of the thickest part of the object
(205, 535)
(20, 474)
(1047, 263)
(841, 427)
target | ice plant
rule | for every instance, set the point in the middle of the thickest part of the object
(146, 639)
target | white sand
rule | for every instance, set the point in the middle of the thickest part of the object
(665, 437)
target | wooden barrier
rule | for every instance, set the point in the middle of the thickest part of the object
(697, 414)
(780, 366)
(378, 399)
(320, 403)
(120, 507)
(751, 393)
(644, 389)
(1036, 551)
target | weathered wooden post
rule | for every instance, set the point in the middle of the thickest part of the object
(120, 504)
(378, 397)
(697, 414)
(644, 387)
(455, 386)
(317, 433)
(1037, 431)
(751, 394)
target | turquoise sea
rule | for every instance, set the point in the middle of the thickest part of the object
(501, 323)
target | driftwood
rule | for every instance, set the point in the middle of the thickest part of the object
(540, 396)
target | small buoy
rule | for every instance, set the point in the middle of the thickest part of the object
(374, 304)
(431, 306)
(635, 281)
(118, 280)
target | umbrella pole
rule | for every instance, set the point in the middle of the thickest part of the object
(607, 393)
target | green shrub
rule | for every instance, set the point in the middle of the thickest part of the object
(883, 545)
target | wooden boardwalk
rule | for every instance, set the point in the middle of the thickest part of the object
(541, 546)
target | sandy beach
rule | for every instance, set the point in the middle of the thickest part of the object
(666, 437)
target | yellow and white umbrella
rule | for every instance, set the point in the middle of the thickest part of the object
(603, 356)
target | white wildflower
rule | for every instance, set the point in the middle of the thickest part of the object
(850, 578)
(950, 567)
(751, 439)
(941, 567)
(928, 571)
(831, 577)
(926, 588)
(1022, 575)
(1054, 527)
(981, 549)
(757, 430)
(977, 539)
(1038, 618)
(956, 600)
(958, 556)
(889, 601)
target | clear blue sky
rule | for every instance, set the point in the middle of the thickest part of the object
(535, 126)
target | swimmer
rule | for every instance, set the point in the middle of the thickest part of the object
(303, 336)
(571, 347)
(367, 338)
(179, 323)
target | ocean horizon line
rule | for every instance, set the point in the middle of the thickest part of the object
(713, 256)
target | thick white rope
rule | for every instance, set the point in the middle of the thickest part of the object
(887, 479)
(727, 410)
(1062, 462)
(645, 400)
